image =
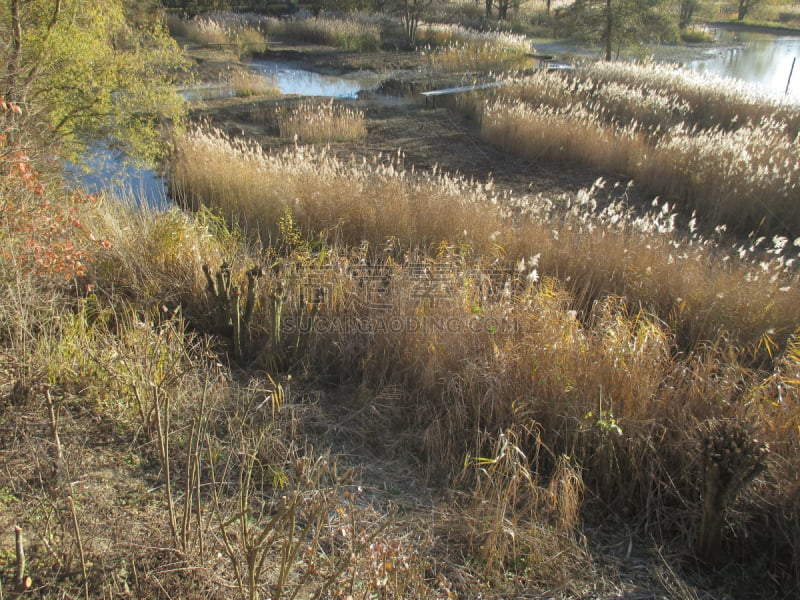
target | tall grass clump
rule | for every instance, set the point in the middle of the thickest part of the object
(740, 176)
(614, 103)
(355, 33)
(311, 122)
(476, 57)
(715, 101)
(747, 179)
(446, 34)
(570, 134)
(349, 202)
(249, 83)
(242, 32)
(695, 34)
(696, 286)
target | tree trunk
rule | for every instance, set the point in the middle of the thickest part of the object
(12, 94)
(744, 5)
(608, 31)
(502, 9)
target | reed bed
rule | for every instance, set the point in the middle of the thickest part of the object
(312, 122)
(697, 287)
(745, 180)
(242, 32)
(445, 34)
(250, 83)
(571, 134)
(351, 203)
(476, 57)
(714, 101)
(741, 176)
(356, 32)
(612, 102)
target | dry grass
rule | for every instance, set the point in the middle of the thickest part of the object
(355, 32)
(249, 83)
(441, 34)
(537, 360)
(484, 357)
(243, 34)
(314, 122)
(694, 285)
(728, 157)
(714, 101)
(477, 57)
(349, 203)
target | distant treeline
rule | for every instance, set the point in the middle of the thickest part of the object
(193, 7)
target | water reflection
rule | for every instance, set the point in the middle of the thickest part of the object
(106, 171)
(206, 91)
(307, 83)
(758, 58)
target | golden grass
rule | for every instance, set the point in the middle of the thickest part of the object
(477, 57)
(484, 355)
(314, 122)
(250, 83)
(355, 32)
(696, 286)
(714, 101)
(349, 203)
(542, 356)
(243, 34)
(730, 158)
(448, 34)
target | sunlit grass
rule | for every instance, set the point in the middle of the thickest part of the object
(728, 156)
(355, 32)
(695, 286)
(241, 33)
(250, 83)
(477, 57)
(314, 122)
(445, 34)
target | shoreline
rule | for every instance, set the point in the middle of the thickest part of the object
(755, 28)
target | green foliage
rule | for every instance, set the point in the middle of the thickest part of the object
(98, 75)
(616, 24)
(697, 35)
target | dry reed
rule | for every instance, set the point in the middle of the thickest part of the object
(311, 122)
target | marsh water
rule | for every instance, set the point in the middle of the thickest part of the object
(290, 80)
(105, 170)
(758, 58)
(762, 59)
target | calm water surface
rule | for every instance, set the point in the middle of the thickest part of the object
(307, 83)
(759, 58)
(106, 171)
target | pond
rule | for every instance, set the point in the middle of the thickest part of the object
(290, 81)
(760, 58)
(105, 170)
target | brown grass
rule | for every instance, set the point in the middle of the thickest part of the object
(536, 361)
(736, 170)
(314, 122)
